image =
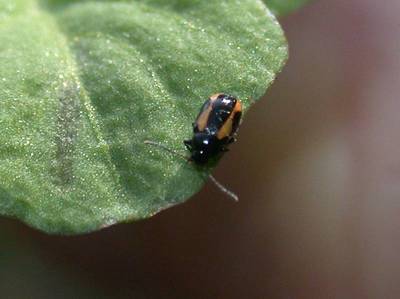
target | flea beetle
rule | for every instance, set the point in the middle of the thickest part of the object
(213, 130)
(215, 127)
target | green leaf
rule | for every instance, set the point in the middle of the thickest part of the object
(283, 7)
(84, 83)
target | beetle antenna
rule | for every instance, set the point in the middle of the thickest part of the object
(213, 179)
(223, 188)
(162, 146)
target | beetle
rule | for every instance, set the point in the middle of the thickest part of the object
(215, 127)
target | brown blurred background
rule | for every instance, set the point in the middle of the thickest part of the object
(317, 167)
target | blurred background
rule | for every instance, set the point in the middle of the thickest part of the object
(317, 168)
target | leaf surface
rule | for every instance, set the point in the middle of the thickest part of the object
(84, 83)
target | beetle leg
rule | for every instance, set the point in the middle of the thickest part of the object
(188, 144)
(231, 140)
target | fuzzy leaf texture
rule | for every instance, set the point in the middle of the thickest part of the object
(84, 83)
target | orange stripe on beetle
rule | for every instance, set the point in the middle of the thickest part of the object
(215, 96)
(228, 127)
(202, 118)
